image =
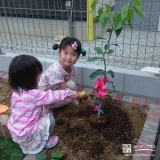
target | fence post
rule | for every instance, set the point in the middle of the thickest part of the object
(0, 51)
(90, 25)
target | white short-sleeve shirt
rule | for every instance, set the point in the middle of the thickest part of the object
(55, 74)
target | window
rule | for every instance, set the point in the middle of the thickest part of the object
(49, 9)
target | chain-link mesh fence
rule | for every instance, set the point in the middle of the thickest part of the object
(33, 26)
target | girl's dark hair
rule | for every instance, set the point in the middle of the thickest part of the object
(68, 41)
(23, 72)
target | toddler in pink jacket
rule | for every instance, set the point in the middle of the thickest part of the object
(28, 125)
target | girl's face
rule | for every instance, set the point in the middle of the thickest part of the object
(68, 57)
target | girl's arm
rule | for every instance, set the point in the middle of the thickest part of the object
(51, 97)
(62, 85)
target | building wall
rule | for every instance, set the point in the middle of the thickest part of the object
(45, 27)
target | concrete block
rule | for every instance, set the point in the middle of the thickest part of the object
(151, 126)
(127, 98)
(142, 85)
(149, 133)
(78, 78)
(86, 72)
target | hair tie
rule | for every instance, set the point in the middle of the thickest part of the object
(83, 51)
(56, 46)
(74, 45)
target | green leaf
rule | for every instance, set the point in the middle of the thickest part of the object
(138, 4)
(115, 45)
(110, 93)
(96, 73)
(130, 15)
(41, 156)
(139, 12)
(96, 18)
(109, 30)
(124, 11)
(103, 105)
(114, 16)
(93, 5)
(93, 59)
(98, 50)
(104, 18)
(108, 8)
(94, 98)
(57, 155)
(110, 51)
(118, 32)
(110, 97)
(99, 37)
(111, 73)
(118, 24)
(100, 11)
(106, 47)
(113, 87)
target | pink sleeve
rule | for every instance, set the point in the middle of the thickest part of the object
(51, 97)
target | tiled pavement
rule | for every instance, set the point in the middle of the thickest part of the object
(150, 129)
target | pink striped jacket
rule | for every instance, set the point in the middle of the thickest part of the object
(27, 109)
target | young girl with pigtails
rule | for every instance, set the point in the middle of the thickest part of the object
(58, 75)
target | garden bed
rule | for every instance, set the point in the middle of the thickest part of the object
(78, 140)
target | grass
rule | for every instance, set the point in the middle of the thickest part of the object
(10, 150)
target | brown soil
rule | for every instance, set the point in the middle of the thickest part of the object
(5, 94)
(80, 141)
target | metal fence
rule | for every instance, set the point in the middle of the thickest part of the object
(33, 26)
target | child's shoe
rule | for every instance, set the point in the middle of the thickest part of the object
(52, 141)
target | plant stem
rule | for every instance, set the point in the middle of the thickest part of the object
(110, 36)
(98, 113)
(104, 61)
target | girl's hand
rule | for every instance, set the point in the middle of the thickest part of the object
(75, 93)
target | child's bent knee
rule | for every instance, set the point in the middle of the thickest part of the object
(71, 85)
